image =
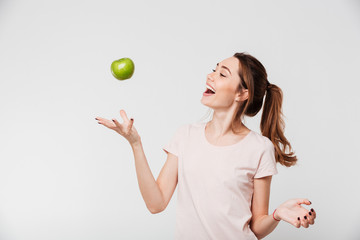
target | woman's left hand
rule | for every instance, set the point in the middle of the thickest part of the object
(292, 212)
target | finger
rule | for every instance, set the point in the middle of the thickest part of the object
(298, 222)
(123, 115)
(98, 119)
(295, 222)
(130, 125)
(311, 217)
(118, 125)
(303, 201)
(313, 213)
(105, 122)
(304, 221)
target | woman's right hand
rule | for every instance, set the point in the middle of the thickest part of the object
(127, 130)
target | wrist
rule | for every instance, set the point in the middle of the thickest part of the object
(135, 144)
(275, 216)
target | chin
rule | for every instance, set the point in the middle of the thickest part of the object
(207, 105)
(202, 101)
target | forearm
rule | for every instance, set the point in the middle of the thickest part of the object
(149, 189)
(262, 226)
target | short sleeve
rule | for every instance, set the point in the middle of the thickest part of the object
(267, 163)
(174, 145)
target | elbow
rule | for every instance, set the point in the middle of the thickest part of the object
(257, 235)
(254, 229)
(155, 210)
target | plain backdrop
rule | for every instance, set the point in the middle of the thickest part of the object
(64, 176)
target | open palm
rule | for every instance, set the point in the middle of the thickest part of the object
(292, 212)
(126, 129)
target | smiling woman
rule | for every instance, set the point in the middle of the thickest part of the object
(223, 169)
(243, 95)
(226, 166)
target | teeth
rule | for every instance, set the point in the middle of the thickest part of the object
(207, 86)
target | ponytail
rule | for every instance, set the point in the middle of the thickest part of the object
(272, 126)
(253, 77)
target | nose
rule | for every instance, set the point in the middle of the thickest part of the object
(210, 77)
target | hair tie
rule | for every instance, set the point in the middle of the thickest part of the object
(268, 86)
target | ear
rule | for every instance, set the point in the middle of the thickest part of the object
(244, 95)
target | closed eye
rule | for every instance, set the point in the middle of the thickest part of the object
(220, 73)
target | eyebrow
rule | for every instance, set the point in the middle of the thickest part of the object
(224, 67)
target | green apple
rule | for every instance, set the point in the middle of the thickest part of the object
(123, 68)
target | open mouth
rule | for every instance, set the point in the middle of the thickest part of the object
(209, 90)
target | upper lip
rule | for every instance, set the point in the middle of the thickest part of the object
(210, 86)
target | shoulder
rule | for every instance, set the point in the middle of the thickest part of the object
(262, 142)
(190, 126)
(186, 129)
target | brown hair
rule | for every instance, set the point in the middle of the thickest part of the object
(253, 77)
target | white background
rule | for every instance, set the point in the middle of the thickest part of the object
(63, 176)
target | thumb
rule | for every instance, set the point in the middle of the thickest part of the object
(303, 201)
(130, 125)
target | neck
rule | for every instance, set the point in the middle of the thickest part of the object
(220, 125)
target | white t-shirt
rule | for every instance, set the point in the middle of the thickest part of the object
(215, 183)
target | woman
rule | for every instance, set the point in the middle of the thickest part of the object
(222, 168)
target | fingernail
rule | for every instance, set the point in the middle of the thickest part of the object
(113, 120)
(96, 118)
(299, 218)
(305, 217)
(131, 119)
(312, 210)
(310, 202)
(98, 123)
(310, 213)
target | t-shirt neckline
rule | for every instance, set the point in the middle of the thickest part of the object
(226, 146)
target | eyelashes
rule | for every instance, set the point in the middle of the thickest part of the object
(220, 73)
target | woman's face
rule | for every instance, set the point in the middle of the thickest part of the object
(225, 81)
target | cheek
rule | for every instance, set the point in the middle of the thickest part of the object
(228, 91)
(225, 96)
